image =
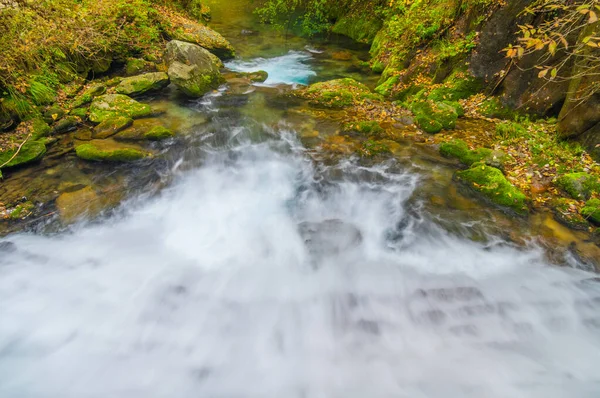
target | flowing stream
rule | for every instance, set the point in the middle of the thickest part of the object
(259, 269)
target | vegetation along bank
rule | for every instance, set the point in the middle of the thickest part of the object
(526, 70)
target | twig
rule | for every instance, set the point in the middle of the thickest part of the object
(16, 153)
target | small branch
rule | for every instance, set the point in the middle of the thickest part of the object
(16, 153)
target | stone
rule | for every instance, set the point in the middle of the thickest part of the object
(53, 113)
(77, 204)
(112, 105)
(111, 126)
(194, 70)
(458, 149)
(145, 129)
(433, 117)
(110, 151)
(66, 124)
(336, 94)
(30, 152)
(206, 38)
(591, 211)
(329, 237)
(141, 84)
(493, 185)
(136, 66)
(88, 95)
(579, 186)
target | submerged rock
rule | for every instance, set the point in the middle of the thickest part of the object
(338, 93)
(30, 152)
(73, 205)
(145, 129)
(491, 183)
(204, 37)
(137, 85)
(113, 105)
(110, 151)
(329, 237)
(111, 126)
(194, 70)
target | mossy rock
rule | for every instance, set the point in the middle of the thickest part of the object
(456, 87)
(336, 94)
(204, 37)
(433, 117)
(367, 128)
(358, 26)
(113, 105)
(591, 211)
(158, 133)
(145, 129)
(79, 203)
(53, 114)
(371, 148)
(493, 185)
(136, 66)
(387, 86)
(257, 77)
(110, 151)
(141, 84)
(21, 211)
(88, 95)
(563, 214)
(493, 108)
(194, 70)
(38, 128)
(111, 126)
(65, 125)
(458, 149)
(377, 67)
(30, 152)
(81, 113)
(579, 186)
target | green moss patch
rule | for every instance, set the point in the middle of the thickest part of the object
(433, 117)
(31, 151)
(158, 133)
(111, 126)
(141, 84)
(109, 151)
(113, 105)
(579, 186)
(493, 185)
(336, 94)
(591, 211)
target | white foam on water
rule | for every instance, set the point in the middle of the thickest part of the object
(291, 68)
(210, 291)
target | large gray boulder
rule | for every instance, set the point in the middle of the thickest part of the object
(194, 70)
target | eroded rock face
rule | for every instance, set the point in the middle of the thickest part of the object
(329, 237)
(194, 70)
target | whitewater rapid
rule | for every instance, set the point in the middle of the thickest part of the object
(213, 289)
(209, 291)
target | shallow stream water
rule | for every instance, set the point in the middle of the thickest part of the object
(244, 262)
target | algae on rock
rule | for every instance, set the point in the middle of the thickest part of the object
(492, 184)
(109, 151)
(194, 70)
(141, 84)
(113, 105)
